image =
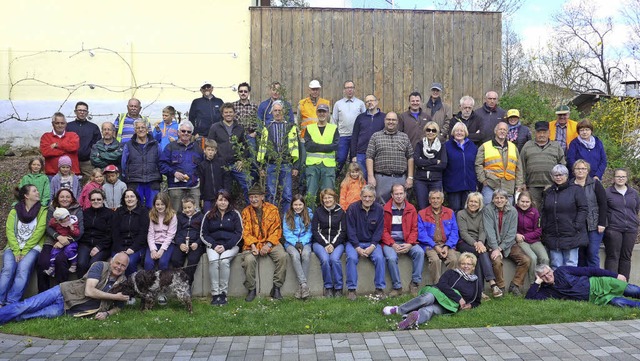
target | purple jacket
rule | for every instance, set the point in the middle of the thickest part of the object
(529, 224)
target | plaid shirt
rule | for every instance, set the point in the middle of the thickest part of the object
(246, 115)
(561, 135)
(390, 152)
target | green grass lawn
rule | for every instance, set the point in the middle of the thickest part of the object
(291, 316)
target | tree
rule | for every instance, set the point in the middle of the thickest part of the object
(631, 13)
(514, 62)
(508, 7)
(290, 3)
(580, 45)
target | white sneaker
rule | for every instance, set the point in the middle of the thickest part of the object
(389, 310)
(132, 301)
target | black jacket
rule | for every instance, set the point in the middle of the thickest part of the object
(89, 135)
(471, 291)
(329, 226)
(564, 217)
(428, 169)
(203, 113)
(474, 126)
(226, 143)
(211, 179)
(225, 231)
(188, 227)
(97, 228)
(130, 229)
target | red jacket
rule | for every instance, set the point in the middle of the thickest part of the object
(68, 144)
(409, 224)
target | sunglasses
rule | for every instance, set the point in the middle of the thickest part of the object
(96, 199)
(430, 130)
(183, 131)
(243, 91)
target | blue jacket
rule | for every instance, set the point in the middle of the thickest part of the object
(178, 157)
(162, 134)
(460, 173)
(140, 161)
(203, 113)
(363, 128)
(596, 157)
(364, 226)
(89, 134)
(264, 112)
(189, 227)
(427, 228)
(300, 234)
(569, 283)
(225, 231)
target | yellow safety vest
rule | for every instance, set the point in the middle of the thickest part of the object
(292, 144)
(494, 164)
(121, 119)
(328, 159)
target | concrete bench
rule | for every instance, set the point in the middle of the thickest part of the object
(202, 285)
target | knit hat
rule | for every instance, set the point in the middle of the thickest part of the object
(64, 160)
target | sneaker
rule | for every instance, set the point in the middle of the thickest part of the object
(297, 294)
(413, 288)
(73, 268)
(338, 293)
(485, 298)
(352, 295)
(389, 310)
(132, 301)
(497, 292)
(222, 300)
(305, 292)
(395, 292)
(162, 300)
(410, 321)
(50, 271)
(515, 290)
(380, 293)
(215, 300)
(328, 293)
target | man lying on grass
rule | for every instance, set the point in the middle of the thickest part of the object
(591, 284)
(86, 296)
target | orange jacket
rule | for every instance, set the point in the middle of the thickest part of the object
(350, 192)
(307, 112)
(270, 230)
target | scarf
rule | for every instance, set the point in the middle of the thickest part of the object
(435, 106)
(27, 216)
(430, 152)
(471, 277)
(590, 143)
(513, 132)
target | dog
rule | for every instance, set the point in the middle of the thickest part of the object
(148, 284)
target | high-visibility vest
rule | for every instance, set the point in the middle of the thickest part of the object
(308, 113)
(121, 119)
(292, 144)
(328, 159)
(493, 161)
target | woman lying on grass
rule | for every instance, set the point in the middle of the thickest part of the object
(458, 289)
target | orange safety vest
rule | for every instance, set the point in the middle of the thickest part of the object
(494, 164)
(308, 113)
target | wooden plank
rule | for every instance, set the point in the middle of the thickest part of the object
(428, 51)
(301, 85)
(288, 21)
(316, 49)
(371, 40)
(449, 55)
(417, 46)
(295, 52)
(347, 56)
(277, 28)
(479, 70)
(358, 60)
(265, 63)
(388, 56)
(379, 30)
(328, 66)
(255, 50)
(399, 58)
(441, 35)
(497, 50)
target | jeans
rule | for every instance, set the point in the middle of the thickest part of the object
(330, 265)
(590, 255)
(352, 266)
(147, 192)
(422, 189)
(319, 177)
(456, 200)
(15, 275)
(384, 184)
(239, 176)
(342, 154)
(48, 304)
(176, 195)
(85, 260)
(300, 262)
(425, 304)
(279, 180)
(220, 268)
(162, 263)
(417, 259)
(563, 257)
(362, 162)
(618, 247)
(631, 291)
(192, 257)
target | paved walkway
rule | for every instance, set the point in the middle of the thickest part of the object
(619, 340)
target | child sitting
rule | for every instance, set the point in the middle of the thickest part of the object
(113, 187)
(38, 179)
(95, 182)
(65, 178)
(65, 225)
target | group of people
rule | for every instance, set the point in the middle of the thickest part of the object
(509, 194)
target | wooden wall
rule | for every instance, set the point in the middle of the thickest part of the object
(389, 53)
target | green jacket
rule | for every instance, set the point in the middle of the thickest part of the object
(37, 237)
(41, 181)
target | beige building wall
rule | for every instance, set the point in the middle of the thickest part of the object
(54, 53)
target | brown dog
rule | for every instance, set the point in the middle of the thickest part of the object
(148, 284)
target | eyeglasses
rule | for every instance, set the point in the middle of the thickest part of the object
(430, 130)
(184, 131)
(583, 169)
(559, 175)
(82, 110)
(96, 199)
(584, 129)
(243, 91)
